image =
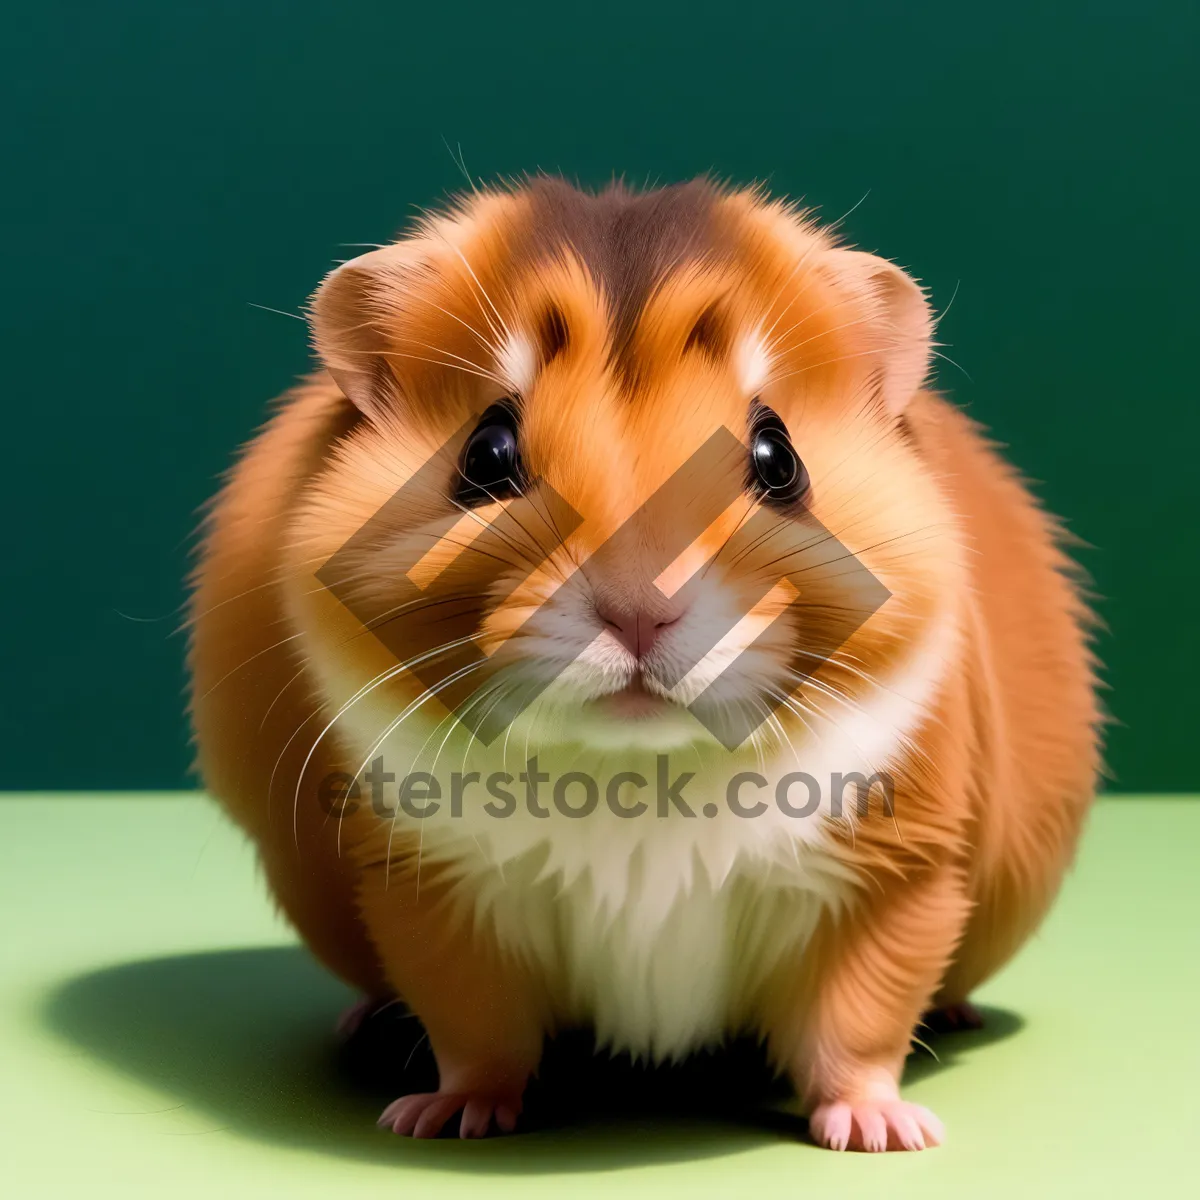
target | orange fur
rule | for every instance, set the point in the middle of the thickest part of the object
(991, 786)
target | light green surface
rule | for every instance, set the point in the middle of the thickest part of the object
(159, 1036)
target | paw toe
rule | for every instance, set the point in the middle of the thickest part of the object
(425, 1115)
(875, 1127)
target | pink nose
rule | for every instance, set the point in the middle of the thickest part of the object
(637, 629)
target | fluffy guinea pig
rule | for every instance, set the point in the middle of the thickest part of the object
(616, 634)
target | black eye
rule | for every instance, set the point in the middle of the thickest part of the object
(490, 468)
(776, 471)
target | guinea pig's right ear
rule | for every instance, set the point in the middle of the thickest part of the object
(349, 316)
(900, 316)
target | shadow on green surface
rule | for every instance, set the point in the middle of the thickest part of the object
(246, 1036)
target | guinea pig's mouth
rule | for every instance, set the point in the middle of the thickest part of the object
(632, 702)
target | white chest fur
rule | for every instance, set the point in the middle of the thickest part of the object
(659, 984)
(658, 930)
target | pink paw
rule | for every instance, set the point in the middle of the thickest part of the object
(425, 1114)
(875, 1126)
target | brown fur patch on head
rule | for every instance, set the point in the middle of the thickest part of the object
(629, 242)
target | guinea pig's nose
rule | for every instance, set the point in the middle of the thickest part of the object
(636, 627)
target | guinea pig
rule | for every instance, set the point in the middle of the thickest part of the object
(616, 633)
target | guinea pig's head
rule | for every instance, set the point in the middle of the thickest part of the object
(625, 469)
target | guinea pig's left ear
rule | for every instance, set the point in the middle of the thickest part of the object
(349, 314)
(903, 321)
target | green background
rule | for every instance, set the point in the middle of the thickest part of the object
(183, 1048)
(169, 166)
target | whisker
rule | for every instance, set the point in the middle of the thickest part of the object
(953, 296)
(824, 332)
(827, 363)
(437, 362)
(488, 346)
(947, 358)
(278, 311)
(801, 262)
(395, 724)
(242, 665)
(367, 688)
(482, 291)
(535, 546)
(457, 357)
(279, 696)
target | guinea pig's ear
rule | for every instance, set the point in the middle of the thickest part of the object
(349, 314)
(902, 318)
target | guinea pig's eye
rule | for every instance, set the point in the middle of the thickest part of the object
(776, 472)
(490, 467)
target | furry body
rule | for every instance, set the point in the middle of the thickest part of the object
(628, 328)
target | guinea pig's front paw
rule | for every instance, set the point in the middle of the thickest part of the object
(875, 1125)
(424, 1115)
